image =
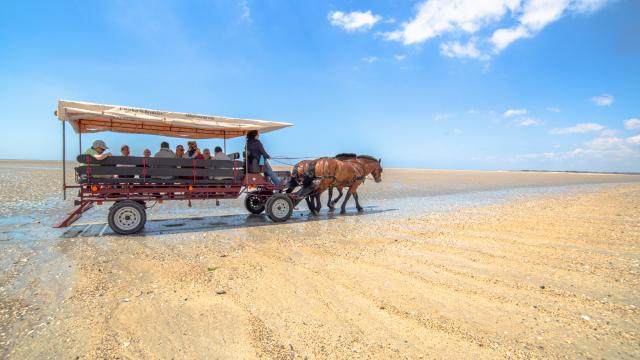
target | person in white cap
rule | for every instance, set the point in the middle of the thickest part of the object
(97, 150)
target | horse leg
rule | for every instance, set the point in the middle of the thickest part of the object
(344, 203)
(318, 203)
(310, 204)
(334, 202)
(329, 205)
(355, 196)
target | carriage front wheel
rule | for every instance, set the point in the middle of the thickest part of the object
(279, 208)
(127, 217)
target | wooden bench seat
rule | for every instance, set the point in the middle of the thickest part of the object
(140, 170)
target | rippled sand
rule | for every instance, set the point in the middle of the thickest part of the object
(507, 265)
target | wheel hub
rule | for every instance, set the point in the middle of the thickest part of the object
(280, 208)
(126, 218)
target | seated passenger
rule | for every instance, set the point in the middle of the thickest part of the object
(219, 155)
(191, 152)
(197, 155)
(180, 152)
(124, 151)
(207, 154)
(97, 150)
(147, 153)
(165, 151)
(255, 151)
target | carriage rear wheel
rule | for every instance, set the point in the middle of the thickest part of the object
(127, 217)
(279, 208)
(254, 204)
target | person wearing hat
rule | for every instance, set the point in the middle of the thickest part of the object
(97, 150)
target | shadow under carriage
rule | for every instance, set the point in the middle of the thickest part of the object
(210, 223)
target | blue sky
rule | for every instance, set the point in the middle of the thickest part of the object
(462, 84)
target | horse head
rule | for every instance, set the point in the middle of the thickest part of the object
(377, 172)
(372, 166)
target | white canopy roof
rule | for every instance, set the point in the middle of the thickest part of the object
(89, 118)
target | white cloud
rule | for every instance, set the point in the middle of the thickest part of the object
(514, 19)
(609, 132)
(632, 124)
(514, 112)
(553, 109)
(528, 122)
(586, 6)
(602, 100)
(634, 140)
(457, 131)
(436, 17)
(455, 49)
(246, 11)
(502, 38)
(370, 59)
(400, 57)
(578, 129)
(354, 20)
(442, 117)
(605, 143)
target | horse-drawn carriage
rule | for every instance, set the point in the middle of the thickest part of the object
(131, 182)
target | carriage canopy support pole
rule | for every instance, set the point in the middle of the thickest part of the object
(79, 136)
(224, 136)
(64, 169)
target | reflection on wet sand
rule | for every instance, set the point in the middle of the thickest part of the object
(212, 223)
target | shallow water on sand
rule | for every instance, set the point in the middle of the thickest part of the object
(31, 200)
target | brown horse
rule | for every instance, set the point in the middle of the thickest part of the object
(332, 172)
(308, 187)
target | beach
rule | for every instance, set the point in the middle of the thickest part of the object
(441, 264)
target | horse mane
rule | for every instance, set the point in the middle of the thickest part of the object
(368, 157)
(346, 156)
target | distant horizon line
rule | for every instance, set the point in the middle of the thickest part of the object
(412, 168)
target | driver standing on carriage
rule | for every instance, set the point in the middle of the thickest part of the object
(255, 150)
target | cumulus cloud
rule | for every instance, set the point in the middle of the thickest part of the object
(578, 129)
(354, 20)
(502, 38)
(370, 59)
(634, 140)
(602, 100)
(632, 124)
(553, 109)
(456, 49)
(528, 122)
(400, 57)
(496, 23)
(514, 112)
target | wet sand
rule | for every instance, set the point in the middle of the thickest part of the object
(442, 264)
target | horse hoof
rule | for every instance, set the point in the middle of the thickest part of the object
(343, 211)
(332, 209)
(360, 210)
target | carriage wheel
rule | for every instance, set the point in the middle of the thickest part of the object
(279, 208)
(127, 217)
(254, 204)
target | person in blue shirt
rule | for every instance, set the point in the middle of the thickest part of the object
(255, 150)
